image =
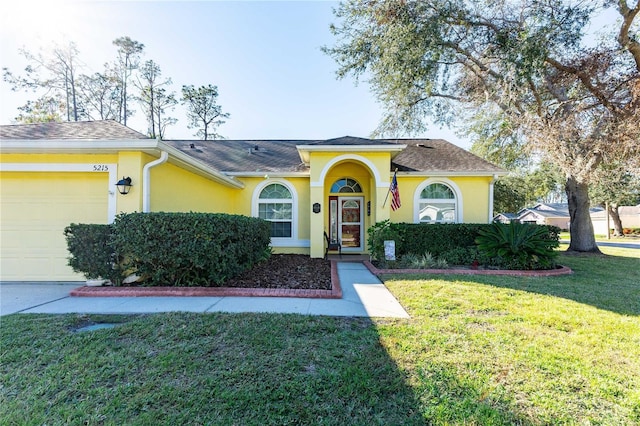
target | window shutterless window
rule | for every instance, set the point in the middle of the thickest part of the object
(437, 204)
(275, 204)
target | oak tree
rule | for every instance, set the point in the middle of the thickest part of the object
(525, 68)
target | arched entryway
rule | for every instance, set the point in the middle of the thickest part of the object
(348, 191)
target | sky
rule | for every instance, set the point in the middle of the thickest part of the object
(264, 56)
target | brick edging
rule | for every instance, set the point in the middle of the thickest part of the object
(334, 293)
(562, 270)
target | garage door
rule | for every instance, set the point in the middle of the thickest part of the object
(35, 208)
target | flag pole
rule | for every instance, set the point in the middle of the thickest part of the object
(389, 190)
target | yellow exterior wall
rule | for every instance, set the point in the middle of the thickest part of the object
(177, 190)
(174, 189)
(474, 191)
(301, 186)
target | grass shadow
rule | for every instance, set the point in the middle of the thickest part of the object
(250, 369)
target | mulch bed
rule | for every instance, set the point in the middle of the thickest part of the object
(294, 271)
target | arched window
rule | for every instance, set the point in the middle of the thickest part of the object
(275, 204)
(343, 185)
(437, 203)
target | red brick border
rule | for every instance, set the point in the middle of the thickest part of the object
(563, 270)
(334, 293)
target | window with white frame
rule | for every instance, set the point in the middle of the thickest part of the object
(275, 204)
(437, 204)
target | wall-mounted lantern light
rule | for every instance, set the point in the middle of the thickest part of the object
(124, 185)
(316, 207)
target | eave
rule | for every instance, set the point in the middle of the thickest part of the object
(151, 147)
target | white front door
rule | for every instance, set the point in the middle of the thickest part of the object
(347, 222)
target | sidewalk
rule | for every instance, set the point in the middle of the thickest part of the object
(363, 295)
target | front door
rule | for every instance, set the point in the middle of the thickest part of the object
(346, 219)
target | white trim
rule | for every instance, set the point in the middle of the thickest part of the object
(471, 173)
(340, 158)
(74, 146)
(283, 175)
(146, 180)
(448, 182)
(279, 241)
(149, 146)
(495, 177)
(111, 169)
(360, 222)
(287, 242)
(351, 148)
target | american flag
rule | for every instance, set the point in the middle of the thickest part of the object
(395, 194)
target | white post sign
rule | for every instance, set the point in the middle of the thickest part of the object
(390, 250)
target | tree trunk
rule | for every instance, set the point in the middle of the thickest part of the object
(581, 228)
(617, 222)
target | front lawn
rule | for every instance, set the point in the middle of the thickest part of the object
(476, 351)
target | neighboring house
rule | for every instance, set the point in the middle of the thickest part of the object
(54, 174)
(629, 216)
(556, 214)
(505, 217)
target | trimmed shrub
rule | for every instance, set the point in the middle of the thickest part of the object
(90, 251)
(420, 238)
(518, 246)
(454, 244)
(189, 249)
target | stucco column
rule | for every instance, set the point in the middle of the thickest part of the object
(317, 221)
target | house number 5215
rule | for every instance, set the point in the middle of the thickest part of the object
(100, 168)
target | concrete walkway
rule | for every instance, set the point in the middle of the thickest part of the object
(363, 295)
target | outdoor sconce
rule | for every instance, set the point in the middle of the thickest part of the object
(316, 207)
(124, 185)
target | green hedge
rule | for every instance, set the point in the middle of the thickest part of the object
(419, 238)
(454, 243)
(172, 249)
(90, 252)
(190, 249)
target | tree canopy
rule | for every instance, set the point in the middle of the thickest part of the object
(518, 75)
(203, 110)
(64, 93)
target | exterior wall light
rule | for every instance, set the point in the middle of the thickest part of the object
(124, 185)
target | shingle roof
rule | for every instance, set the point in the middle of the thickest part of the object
(350, 141)
(236, 156)
(438, 155)
(266, 156)
(421, 155)
(74, 130)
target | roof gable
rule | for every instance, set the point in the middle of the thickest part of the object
(438, 155)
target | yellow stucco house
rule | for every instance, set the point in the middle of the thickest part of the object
(54, 174)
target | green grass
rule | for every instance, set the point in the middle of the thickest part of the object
(476, 351)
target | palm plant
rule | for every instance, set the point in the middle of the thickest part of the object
(518, 246)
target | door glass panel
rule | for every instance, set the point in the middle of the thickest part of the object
(351, 226)
(333, 218)
(350, 211)
(350, 236)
